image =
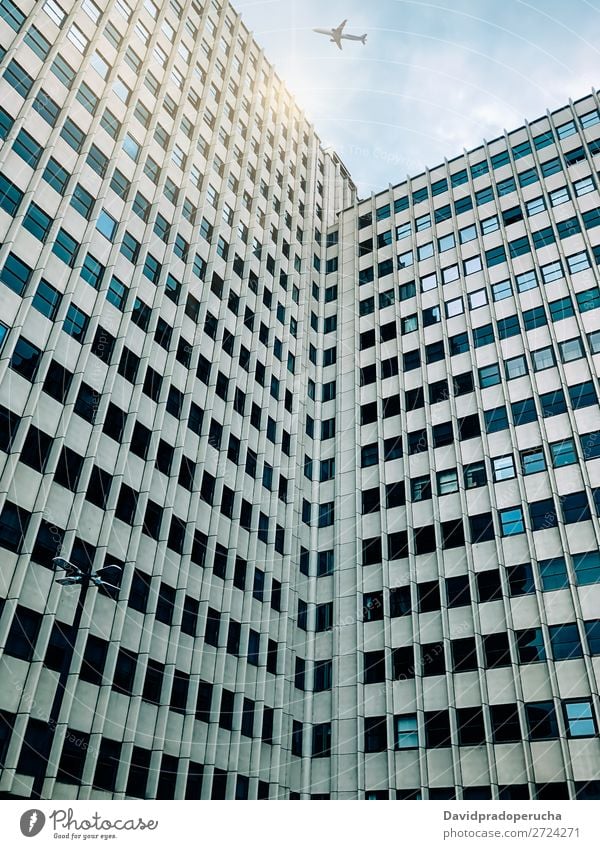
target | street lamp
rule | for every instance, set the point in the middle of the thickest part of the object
(74, 576)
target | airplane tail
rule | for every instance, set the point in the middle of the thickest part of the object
(363, 38)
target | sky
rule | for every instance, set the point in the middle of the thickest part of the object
(433, 78)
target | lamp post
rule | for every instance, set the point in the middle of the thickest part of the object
(74, 576)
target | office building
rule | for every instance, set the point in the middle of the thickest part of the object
(346, 452)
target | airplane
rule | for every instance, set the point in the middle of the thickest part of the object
(336, 34)
(74, 575)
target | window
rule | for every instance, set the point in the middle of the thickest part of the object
(583, 187)
(375, 734)
(559, 196)
(47, 299)
(504, 468)
(406, 732)
(553, 403)
(106, 225)
(23, 633)
(45, 106)
(464, 655)
(437, 729)
(37, 222)
(575, 507)
(583, 395)
(15, 274)
(553, 573)
(475, 475)
(82, 201)
(543, 358)
(326, 514)
(565, 641)
(542, 514)
(25, 359)
(541, 720)
(71, 133)
(578, 262)
(579, 718)
(321, 740)
(55, 175)
(533, 461)
(447, 482)
(65, 247)
(131, 147)
(511, 521)
(496, 419)
(75, 323)
(489, 375)
(530, 645)
(520, 579)
(588, 300)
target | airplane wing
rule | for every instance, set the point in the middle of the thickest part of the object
(338, 30)
(335, 36)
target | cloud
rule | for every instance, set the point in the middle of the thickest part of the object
(433, 77)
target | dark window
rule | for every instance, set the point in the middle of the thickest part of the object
(57, 382)
(374, 667)
(530, 645)
(506, 727)
(107, 764)
(437, 729)
(471, 730)
(139, 592)
(489, 587)
(48, 543)
(213, 624)
(36, 448)
(400, 601)
(94, 660)
(541, 720)
(481, 527)
(165, 606)
(496, 649)
(28, 149)
(403, 663)
(31, 760)
(432, 659)
(24, 629)
(520, 579)
(10, 196)
(68, 469)
(25, 359)
(464, 655)
(428, 595)
(15, 274)
(189, 619)
(575, 507)
(153, 682)
(375, 734)
(125, 670)
(126, 504)
(179, 692)
(458, 592)
(565, 641)
(76, 323)
(72, 759)
(321, 740)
